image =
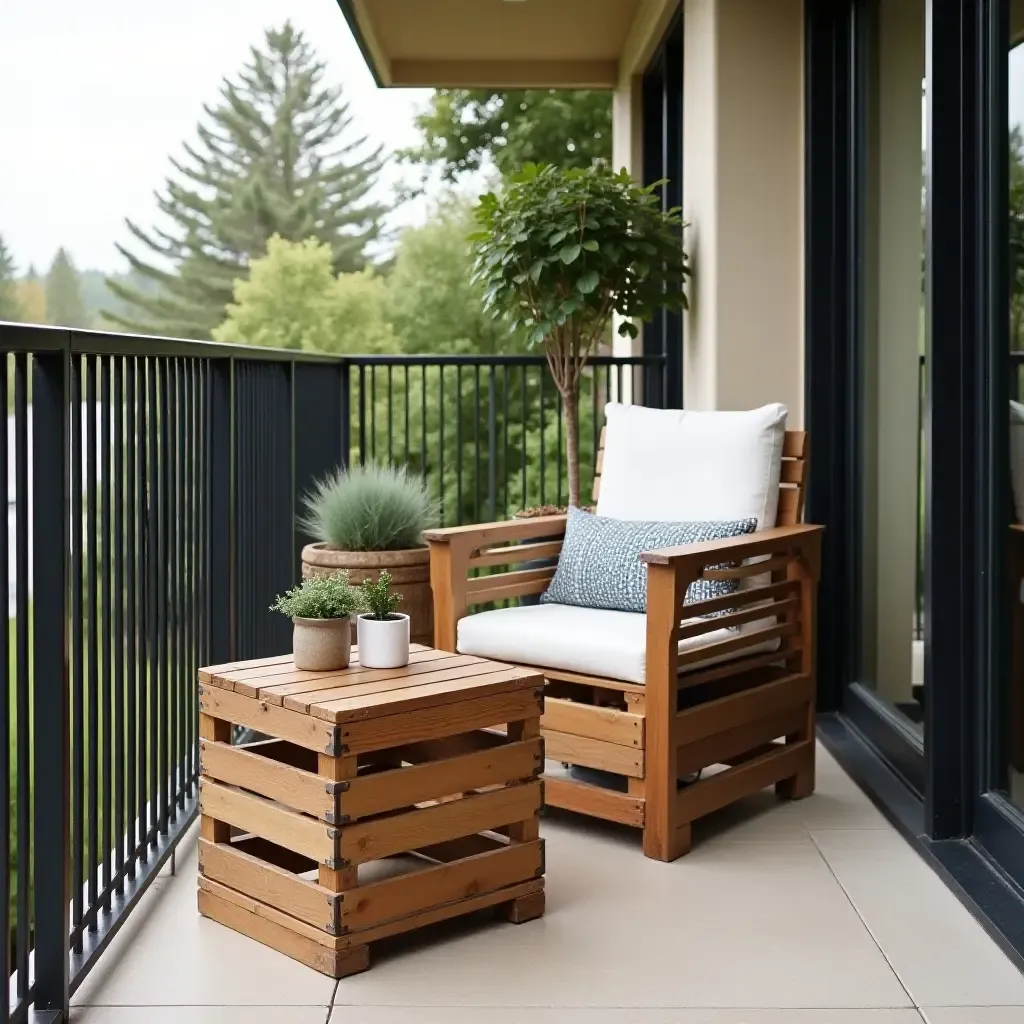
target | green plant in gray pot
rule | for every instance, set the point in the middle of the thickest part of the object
(368, 518)
(321, 610)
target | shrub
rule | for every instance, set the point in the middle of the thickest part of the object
(379, 600)
(369, 508)
(321, 597)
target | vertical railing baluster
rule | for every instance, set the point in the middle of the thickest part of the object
(391, 418)
(92, 685)
(405, 409)
(153, 599)
(522, 436)
(21, 635)
(440, 436)
(458, 443)
(77, 656)
(173, 586)
(476, 443)
(423, 422)
(132, 620)
(543, 438)
(492, 445)
(506, 498)
(5, 713)
(117, 617)
(103, 736)
(51, 751)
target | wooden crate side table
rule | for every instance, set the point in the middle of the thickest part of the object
(437, 763)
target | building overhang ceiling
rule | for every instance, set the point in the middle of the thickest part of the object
(506, 44)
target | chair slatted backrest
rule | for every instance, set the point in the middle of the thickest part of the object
(795, 456)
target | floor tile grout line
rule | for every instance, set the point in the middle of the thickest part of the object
(867, 927)
(334, 996)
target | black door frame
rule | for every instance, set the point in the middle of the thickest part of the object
(662, 100)
(941, 797)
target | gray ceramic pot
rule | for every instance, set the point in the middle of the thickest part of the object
(322, 645)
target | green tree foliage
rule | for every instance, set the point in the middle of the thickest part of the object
(274, 156)
(64, 306)
(293, 299)
(434, 304)
(10, 307)
(561, 251)
(461, 128)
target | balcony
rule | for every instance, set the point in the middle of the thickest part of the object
(152, 487)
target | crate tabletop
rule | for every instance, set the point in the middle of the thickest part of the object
(355, 693)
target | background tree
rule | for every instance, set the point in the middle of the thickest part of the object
(463, 127)
(10, 308)
(64, 306)
(32, 298)
(274, 157)
(293, 299)
(1016, 237)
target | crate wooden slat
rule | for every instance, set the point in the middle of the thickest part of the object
(438, 763)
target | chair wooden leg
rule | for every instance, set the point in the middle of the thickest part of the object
(800, 785)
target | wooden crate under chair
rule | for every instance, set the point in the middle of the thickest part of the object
(718, 704)
(368, 771)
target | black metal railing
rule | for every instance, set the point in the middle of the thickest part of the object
(153, 488)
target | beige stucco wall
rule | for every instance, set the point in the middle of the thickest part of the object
(743, 197)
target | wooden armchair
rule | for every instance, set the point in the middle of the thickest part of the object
(736, 691)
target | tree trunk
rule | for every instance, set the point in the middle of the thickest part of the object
(570, 406)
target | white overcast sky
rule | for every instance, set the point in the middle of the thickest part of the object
(97, 95)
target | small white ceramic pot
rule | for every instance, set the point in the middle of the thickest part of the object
(322, 645)
(383, 643)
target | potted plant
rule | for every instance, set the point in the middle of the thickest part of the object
(382, 633)
(372, 517)
(321, 610)
(561, 251)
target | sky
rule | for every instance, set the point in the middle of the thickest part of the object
(98, 95)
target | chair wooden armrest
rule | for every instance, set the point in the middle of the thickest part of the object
(779, 540)
(458, 550)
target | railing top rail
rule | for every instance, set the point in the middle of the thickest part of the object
(16, 337)
(497, 359)
(39, 338)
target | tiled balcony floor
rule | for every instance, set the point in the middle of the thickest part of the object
(809, 913)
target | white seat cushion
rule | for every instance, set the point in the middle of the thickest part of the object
(592, 641)
(674, 465)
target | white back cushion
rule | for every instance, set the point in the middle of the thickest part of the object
(675, 465)
(1016, 457)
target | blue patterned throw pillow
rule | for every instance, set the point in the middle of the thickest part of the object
(600, 566)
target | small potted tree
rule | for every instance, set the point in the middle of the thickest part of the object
(562, 251)
(382, 633)
(372, 517)
(321, 610)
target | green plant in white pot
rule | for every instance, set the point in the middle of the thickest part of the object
(382, 632)
(562, 251)
(321, 610)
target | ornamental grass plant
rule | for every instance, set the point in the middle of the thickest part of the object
(369, 508)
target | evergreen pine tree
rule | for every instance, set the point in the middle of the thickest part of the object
(9, 305)
(274, 156)
(64, 306)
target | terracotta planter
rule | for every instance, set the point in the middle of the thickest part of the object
(410, 570)
(322, 645)
(383, 643)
